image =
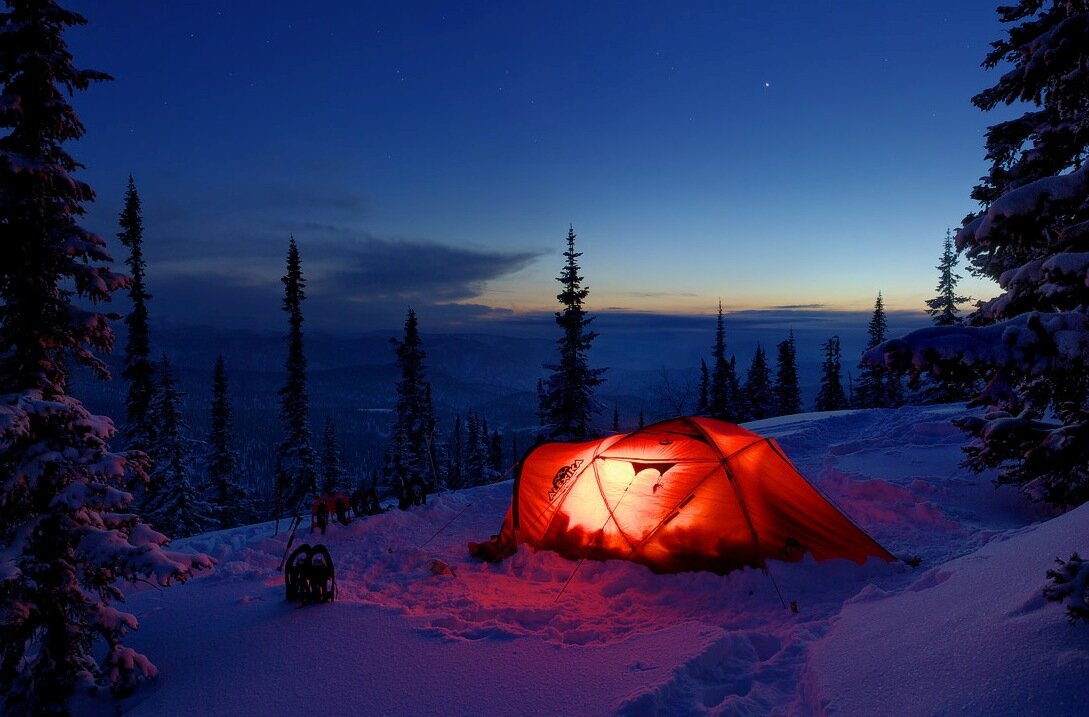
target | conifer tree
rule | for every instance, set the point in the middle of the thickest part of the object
(705, 382)
(333, 476)
(759, 392)
(457, 460)
(877, 386)
(642, 419)
(476, 453)
(943, 307)
(1030, 235)
(230, 500)
(440, 465)
(870, 390)
(414, 421)
(788, 395)
(139, 369)
(172, 500)
(569, 404)
(723, 393)
(830, 397)
(296, 459)
(954, 383)
(737, 400)
(66, 532)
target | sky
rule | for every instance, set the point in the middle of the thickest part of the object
(799, 155)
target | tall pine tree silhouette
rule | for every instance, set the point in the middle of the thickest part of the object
(61, 487)
(943, 308)
(230, 500)
(412, 438)
(723, 394)
(568, 401)
(869, 392)
(877, 386)
(333, 476)
(954, 383)
(456, 458)
(830, 397)
(139, 369)
(788, 395)
(759, 391)
(172, 500)
(296, 460)
(704, 389)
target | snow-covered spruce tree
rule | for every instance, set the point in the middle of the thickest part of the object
(296, 459)
(230, 501)
(759, 392)
(139, 369)
(1032, 236)
(412, 436)
(944, 308)
(723, 392)
(830, 397)
(788, 394)
(568, 400)
(172, 500)
(334, 478)
(66, 538)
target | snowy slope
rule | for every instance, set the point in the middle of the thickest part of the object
(966, 632)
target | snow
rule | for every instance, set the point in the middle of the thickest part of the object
(1038, 196)
(419, 627)
(979, 624)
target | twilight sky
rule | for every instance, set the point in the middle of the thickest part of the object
(786, 154)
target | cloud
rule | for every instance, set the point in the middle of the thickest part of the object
(351, 284)
(796, 307)
(380, 269)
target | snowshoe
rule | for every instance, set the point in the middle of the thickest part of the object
(294, 570)
(321, 585)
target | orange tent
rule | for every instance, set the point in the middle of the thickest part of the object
(684, 494)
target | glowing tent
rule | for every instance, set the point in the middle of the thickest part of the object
(684, 494)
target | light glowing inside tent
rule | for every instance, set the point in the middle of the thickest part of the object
(685, 494)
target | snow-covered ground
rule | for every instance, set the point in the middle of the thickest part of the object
(967, 632)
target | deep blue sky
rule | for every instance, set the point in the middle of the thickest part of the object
(433, 154)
